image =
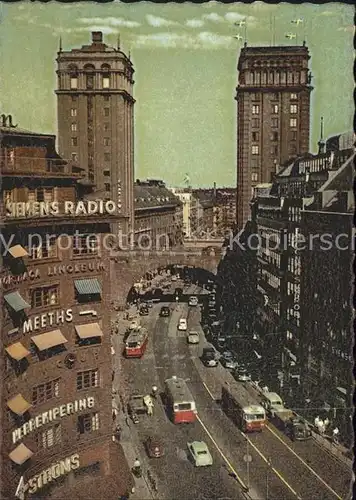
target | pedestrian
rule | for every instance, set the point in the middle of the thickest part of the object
(127, 420)
(321, 427)
(326, 423)
(154, 391)
(316, 422)
(114, 414)
(265, 389)
(336, 435)
(137, 465)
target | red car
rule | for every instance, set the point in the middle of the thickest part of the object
(154, 447)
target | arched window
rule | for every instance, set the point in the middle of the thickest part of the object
(278, 77)
(258, 78)
(105, 68)
(73, 71)
(271, 77)
(264, 77)
(89, 77)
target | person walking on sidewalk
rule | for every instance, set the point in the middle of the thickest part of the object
(336, 436)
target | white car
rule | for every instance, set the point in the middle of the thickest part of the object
(134, 325)
(193, 301)
(193, 338)
(200, 454)
(182, 325)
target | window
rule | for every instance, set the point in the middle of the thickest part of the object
(49, 437)
(85, 244)
(275, 96)
(254, 96)
(47, 250)
(293, 135)
(73, 112)
(107, 186)
(106, 127)
(88, 423)
(74, 127)
(293, 97)
(106, 111)
(106, 81)
(106, 156)
(255, 122)
(293, 122)
(107, 173)
(74, 141)
(74, 98)
(293, 109)
(254, 177)
(255, 109)
(274, 136)
(274, 122)
(87, 379)
(74, 156)
(255, 150)
(44, 392)
(40, 194)
(90, 81)
(73, 82)
(45, 296)
(275, 108)
(255, 136)
(106, 141)
(106, 98)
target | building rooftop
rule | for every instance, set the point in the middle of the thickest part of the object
(248, 50)
(153, 193)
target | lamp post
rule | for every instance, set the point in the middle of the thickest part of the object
(247, 459)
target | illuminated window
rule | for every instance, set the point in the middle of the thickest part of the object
(293, 122)
(73, 112)
(106, 81)
(293, 97)
(73, 82)
(255, 109)
(293, 109)
(74, 127)
(275, 108)
(254, 177)
(255, 150)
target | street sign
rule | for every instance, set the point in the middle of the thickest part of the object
(247, 458)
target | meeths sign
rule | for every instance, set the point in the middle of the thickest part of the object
(51, 415)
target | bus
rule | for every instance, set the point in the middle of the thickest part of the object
(246, 414)
(136, 343)
(180, 404)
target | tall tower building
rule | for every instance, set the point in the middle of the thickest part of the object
(273, 114)
(96, 119)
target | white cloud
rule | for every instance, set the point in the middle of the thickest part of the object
(327, 13)
(234, 17)
(194, 23)
(347, 29)
(157, 22)
(214, 17)
(109, 21)
(202, 40)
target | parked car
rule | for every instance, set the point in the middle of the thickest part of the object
(193, 301)
(134, 325)
(182, 325)
(144, 310)
(228, 360)
(200, 454)
(174, 277)
(154, 447)
(193, 338)
(242, 374)
(165, 311)
(210, 357)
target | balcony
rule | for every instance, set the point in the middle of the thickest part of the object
(39, 167)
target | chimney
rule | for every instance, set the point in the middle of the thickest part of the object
(97, 37)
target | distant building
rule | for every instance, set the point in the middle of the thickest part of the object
(56, 361)
(202, 214)
(278, 216)
(158, 216)
(185, 196)
(273, 113)
(96, 119)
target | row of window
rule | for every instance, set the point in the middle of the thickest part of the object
(49, 390)
(74, 156)
(74, 127)
(74, 141)
(275, 97)
(74, 112)
(275, 109)
(49, 296)
(89, 81)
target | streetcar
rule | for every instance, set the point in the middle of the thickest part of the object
(236, 403)
(180, 404)
(136, 343)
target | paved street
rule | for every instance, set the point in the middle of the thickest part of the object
(300, 470)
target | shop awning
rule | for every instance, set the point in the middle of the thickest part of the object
(16, 302)
(18, 404)
(17, 351)
(89, 330)
(20, 454)
(18, 251)
(49, 339)
(88, 286)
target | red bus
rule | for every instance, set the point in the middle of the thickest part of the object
(136, 343)
(180, 403)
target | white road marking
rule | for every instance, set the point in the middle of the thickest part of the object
(209, 392)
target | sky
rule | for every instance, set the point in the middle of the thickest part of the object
(185, 58)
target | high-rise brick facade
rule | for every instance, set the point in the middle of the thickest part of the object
(273, 112)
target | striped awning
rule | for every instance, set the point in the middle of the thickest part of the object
(18, 251)
(16, 302)
(88, 286)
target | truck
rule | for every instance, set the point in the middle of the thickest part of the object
(136, 405)
(294, 426)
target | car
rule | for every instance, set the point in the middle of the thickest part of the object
(193, 338)
(174, 277)
(182, 325)
(154, 447)
(209, 357)
(144, 310)
(200, 454)
(165, 311)
(228, 361)
(134, 325)
(193, 301)
(242, 375)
